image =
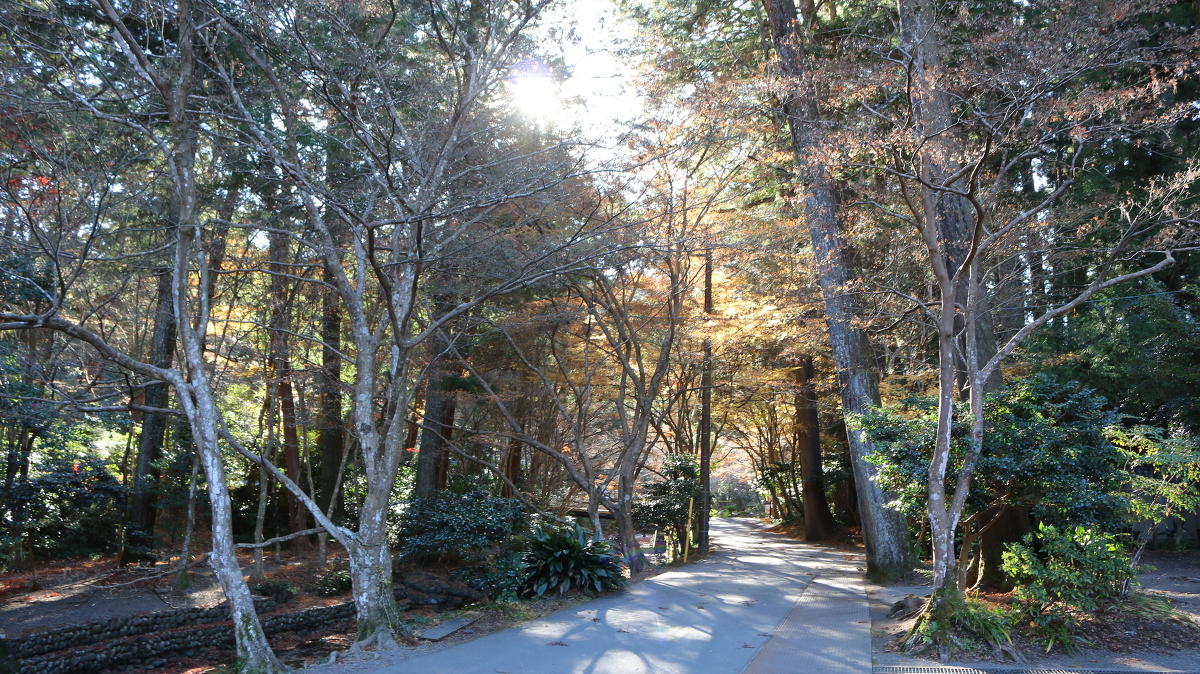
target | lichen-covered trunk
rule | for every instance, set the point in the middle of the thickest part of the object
(631, 551)
(885, 533)
(943, 520)
(374, 598)
(254, 651)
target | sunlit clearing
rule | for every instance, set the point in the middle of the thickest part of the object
(534, 92)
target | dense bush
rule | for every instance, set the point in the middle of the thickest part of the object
(484, 535)
(458, 527)
(1045, 449)
(332, 583)
(501, 575)
(70, 506)
(564, 558)
(276, 588)
(1066, 572)
(664, 503)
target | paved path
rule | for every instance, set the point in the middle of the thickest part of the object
(761, 604)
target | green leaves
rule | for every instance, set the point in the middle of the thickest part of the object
(1072, 570)
(664, 504)
(332, 583)
(565, 558)
(458, 527)
(1047, 448)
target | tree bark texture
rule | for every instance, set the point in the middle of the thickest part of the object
(705, 439)
(281, 367)
(139, 535)
(439, 404)
(330, 434)
(885, 533)
(705, 447)
(818, 519)
(942, 154)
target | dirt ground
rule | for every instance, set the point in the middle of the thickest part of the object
(83, 591)
(1125, 644)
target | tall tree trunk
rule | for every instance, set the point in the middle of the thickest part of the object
(282, 369)
(331, 436)
(139, 534)
(818, 519)
(438, 399)
(449, 410)
(942, 154)
(705, 439)
(705, 447)
(885, 533)
(180, 582)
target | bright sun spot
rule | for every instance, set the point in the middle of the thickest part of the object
(534, 92)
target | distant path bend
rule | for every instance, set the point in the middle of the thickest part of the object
(761, 604)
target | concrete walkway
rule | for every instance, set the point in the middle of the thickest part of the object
(761, 604)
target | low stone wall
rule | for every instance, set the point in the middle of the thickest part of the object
(153, 649)
(77, 636)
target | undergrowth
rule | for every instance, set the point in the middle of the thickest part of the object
(973, 625)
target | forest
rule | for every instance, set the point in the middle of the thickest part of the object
(393, 285)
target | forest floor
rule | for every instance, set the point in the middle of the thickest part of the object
(1117, 641)
(81, 591)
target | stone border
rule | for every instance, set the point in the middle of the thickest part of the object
(155, 648)
(76, 636)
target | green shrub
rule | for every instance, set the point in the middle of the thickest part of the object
(279, 590)
(500, 576)
(466, 527)
(70, 506)
(1073, 570)
(664, 504)
(563, 558)
(1046, 449)
(332, 583)
(973, 622)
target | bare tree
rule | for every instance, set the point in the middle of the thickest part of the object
(437, 170)
(159, 84)
(956, 138)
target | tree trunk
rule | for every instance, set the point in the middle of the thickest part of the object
(705, 438)
(512, 466)
(180, 583)
(331, 437)
(942, 154)
(818, 519)
(281, 368)
(297, 518)
(438, 396)
(885, 533)
(705, 442)
(1013, 524)
(139, 534)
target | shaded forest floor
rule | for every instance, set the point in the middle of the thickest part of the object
(81, 591)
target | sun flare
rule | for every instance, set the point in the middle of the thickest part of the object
(534, 92)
